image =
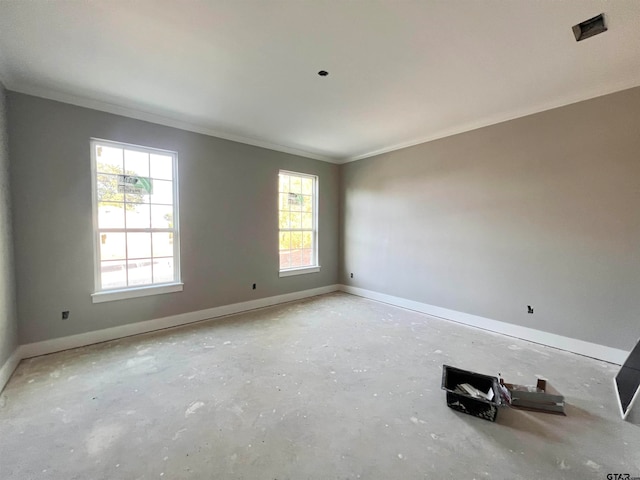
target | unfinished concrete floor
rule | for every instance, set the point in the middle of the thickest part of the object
(333, 387)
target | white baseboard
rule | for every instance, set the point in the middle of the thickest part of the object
(601, 352)
(83, 339)
(98, 336)
(9, 367)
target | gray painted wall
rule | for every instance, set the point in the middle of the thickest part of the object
(228, 219)
(543, 211)
(8, 315)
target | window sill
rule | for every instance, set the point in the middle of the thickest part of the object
(299, 271)
(112, 295)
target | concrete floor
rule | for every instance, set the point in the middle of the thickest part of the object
(333, 387)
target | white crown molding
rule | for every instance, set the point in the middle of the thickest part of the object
(191, 127)
(158, 119)
(593, 350)
(501, 118)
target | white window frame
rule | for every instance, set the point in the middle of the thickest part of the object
(105, 295)
(287, 272)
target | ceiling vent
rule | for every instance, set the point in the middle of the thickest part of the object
(589, 28)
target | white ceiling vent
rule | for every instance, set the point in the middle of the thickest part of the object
(589, 28)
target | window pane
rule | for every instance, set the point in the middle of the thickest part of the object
(138, 245)
(161, 216)
(307, 186)
(307, 239)
(108, 188)
(285, 260)
(134, 191)
(137, 216)
(139, 271)
(108, 159)
(294, 202)
(162, 192)
(136, 163)
(285, 240)
(296, 185)
(296, 240)
(136, 197)
(307, 203)
(110, 215)
(296, 220)
(113, 274)
(163, 270)
(296, 216)
(284, 219)
(162, 244)
(283, 201)
(161, 167)
(112, 246)
(307, 220)
(283, 183)
(296, 259)
(307, 257)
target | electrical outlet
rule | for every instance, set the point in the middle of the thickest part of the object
(352, 275)
(254, 286)
(530, 309)
(65, 315)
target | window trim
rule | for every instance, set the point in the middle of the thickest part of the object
(100, 295)
(288, 272)
(134, 292)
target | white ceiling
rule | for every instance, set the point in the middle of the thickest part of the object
(400, 72)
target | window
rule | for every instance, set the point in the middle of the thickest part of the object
(135, 217)
(298, 223)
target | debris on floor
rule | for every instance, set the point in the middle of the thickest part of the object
(481, 395)
(504, 391)
(474, 392)
(466, 392)
(541, 397)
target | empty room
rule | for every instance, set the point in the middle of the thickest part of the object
(299, 239)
